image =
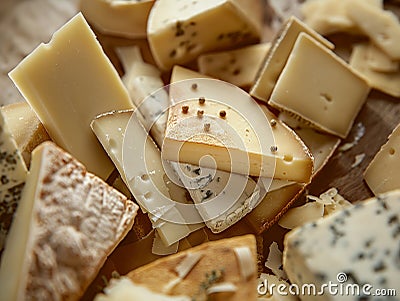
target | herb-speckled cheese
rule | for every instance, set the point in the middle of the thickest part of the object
(362, 241)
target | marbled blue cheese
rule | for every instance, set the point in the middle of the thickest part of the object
(362, 241)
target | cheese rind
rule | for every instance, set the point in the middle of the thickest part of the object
(381, 173)
(179, 31)
(359, 252)
(67, 223)
(319, 95)
(68, 82)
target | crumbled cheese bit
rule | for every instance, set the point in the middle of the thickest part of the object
(357, 160)
(246, 262)
(188, 264)
(360, 132)
(224, 287)
(274, 261)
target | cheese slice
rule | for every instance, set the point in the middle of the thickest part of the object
(231, 139)
(278, 55)
(150, 187)
(320, 94)
(67, 223)
(119, 18)
(67, 83)
(381, 173)
(215, 263)
(362, 252)
(382, 27)
(387, 82)
(379, 61)
(181, 73)
(238, 67)
(178, 32)
(25, 127)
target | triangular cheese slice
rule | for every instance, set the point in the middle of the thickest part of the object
(225, 269)
(67, 223)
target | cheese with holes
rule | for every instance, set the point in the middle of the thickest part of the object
(13, 173)
(178, 32)
(379, 61)
(278, 55)
(387, 82)
(382, 27)
(320, 94)
(238, 67)
(68, 221)
(25, 127)
(381, 174)
(229, 126)
(150, 186)
(68, 82)
(360, 252)
(119, 18)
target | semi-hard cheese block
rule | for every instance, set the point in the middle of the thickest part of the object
(278, 55)
(353, 247)
(68, 82)
(381, 174)
(25, 127)
(318, 86)
(68, 221)
(219, 120)
(387, 82)
(218, 270)
(238, 67)
(119, 18)
(178, 31)
(152, 185)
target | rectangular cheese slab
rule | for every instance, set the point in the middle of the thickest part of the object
(317, 86)
(68, 82)
(381, 174)
(355, 246)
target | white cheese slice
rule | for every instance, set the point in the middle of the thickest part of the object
(119, 18)
(362, 243)
(278, 55)
(228, 126)
(68, 82)
(68, 221)
(379, 61)
(319, 95)
(150, 186)
(299, 216)
(238, 67)
(387, 82)
(381, 173)
(179, 31)
(382, 27)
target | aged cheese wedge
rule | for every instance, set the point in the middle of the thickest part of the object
(360, 252)
(229, 125)
(381, 173)
(12, 179)
(110, 128)
(381, 26)
(278, 55)
(222, 270)
(319, 95)
(238, 67)
(25, 127)
(67, 223)
(119, 18)
(179, 31)
(379, 61)
(67, 83)
(387, 82)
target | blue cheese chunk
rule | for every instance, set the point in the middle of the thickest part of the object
(356, 246)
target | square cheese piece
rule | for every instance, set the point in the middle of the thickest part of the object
(352, 247)
(319, 87)
(382, 173)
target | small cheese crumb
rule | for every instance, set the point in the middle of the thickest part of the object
(246, 263)
(274, 261)
(358, 159)
(224, 287)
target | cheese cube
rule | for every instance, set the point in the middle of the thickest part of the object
(68, 221)
(238, 67)
(120, 18)
(381, 174)
(318, 86)
(353, 247)
(278, 55)
(67, 83)
(179, 31)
